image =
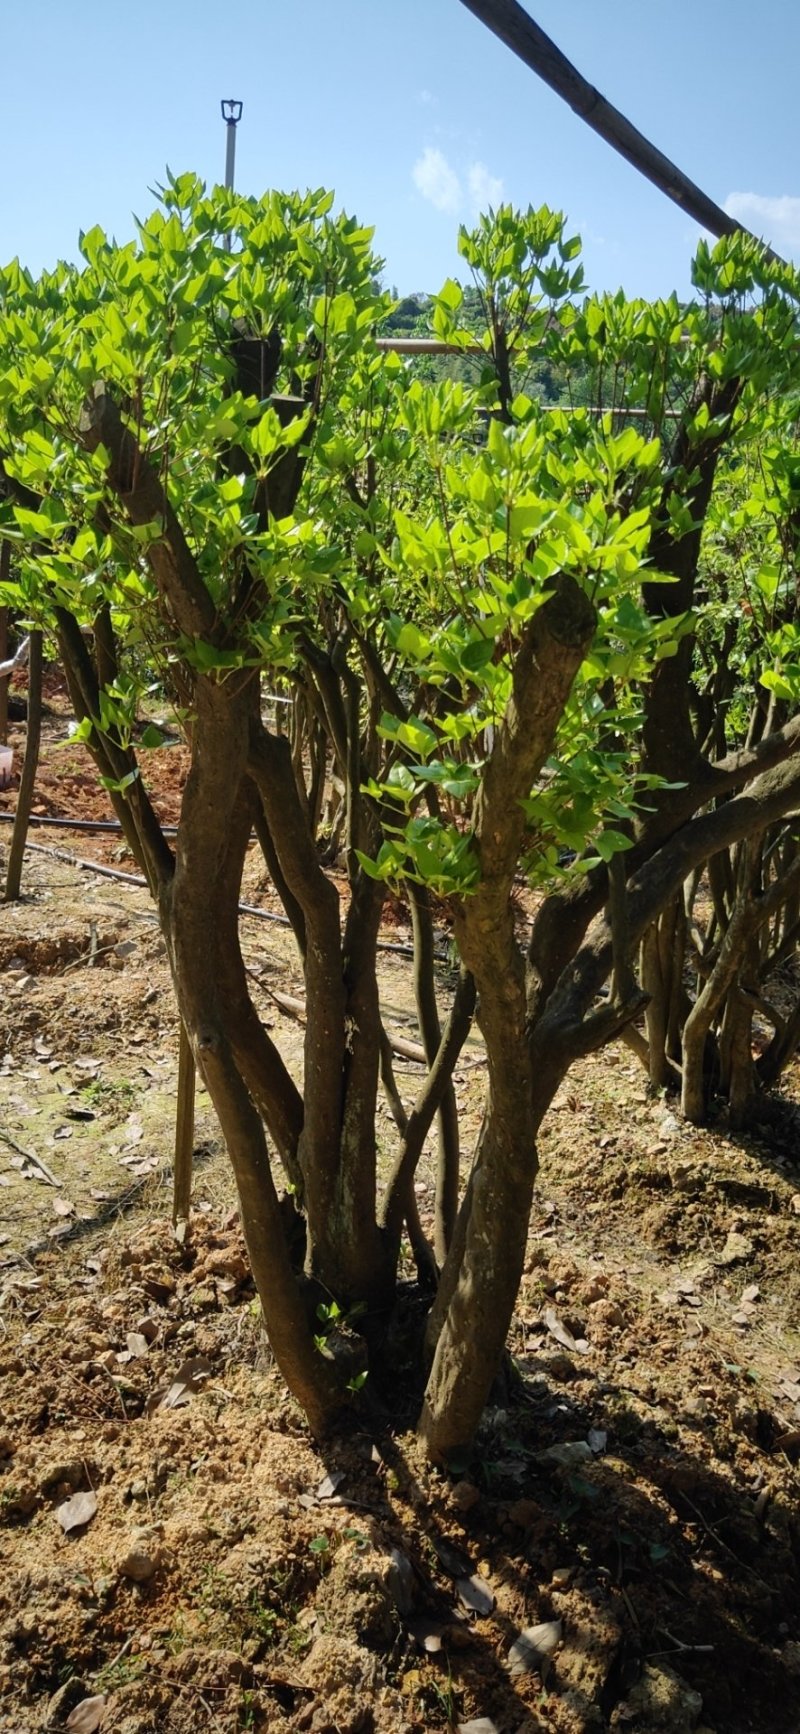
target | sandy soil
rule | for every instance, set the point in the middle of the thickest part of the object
(634, 1493)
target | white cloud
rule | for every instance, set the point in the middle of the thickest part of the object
(425, 98)
(773, 219)
(485, 189)
(437, 181)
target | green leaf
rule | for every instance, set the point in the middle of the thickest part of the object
(119, 786)
(612, 843)
(477, 654)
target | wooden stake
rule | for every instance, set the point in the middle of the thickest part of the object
(184, 1132)
(29, 766)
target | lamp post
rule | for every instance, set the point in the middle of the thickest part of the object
(231, 114)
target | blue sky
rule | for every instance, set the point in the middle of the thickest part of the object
(410, 110)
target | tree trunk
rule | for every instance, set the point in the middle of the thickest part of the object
(694, 1103)
(481, 1276)
(199, 913)
(474, 1330)
(447, 1169)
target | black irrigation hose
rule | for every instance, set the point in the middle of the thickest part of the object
(137, 879)
(81, 824)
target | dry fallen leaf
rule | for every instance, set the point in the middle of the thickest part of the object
(87, 1716)
(569, 1455)
(190, 1377)
(328, 1486)
(559, 1331)
(533, 1648)
(77, 1511)
(455, 1562)
(474, 1593)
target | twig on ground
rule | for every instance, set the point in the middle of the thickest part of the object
(30, 1157)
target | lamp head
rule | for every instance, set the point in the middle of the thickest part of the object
(231, 111)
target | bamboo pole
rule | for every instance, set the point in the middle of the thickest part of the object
(508, 21)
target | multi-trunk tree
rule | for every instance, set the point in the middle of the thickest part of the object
(515, 695)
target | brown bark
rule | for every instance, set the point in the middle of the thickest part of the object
(199, 913)
(420, 1120)
(447, 1168)
(481, 1276)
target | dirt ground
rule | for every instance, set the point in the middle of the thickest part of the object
(177, 1556)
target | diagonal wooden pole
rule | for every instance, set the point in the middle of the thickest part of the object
(514, 26)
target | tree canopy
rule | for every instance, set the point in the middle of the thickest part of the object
(543, 668)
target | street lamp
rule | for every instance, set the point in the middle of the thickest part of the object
(231, 114)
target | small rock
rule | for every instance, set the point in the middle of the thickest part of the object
(606, 1313)
(60, 1476)
(737, 1248)
(569, 1455)
(226, 1262)
(560, 1368)
(662, 1703)
(139, 1567)
(561, 1577)
(524, 1512)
